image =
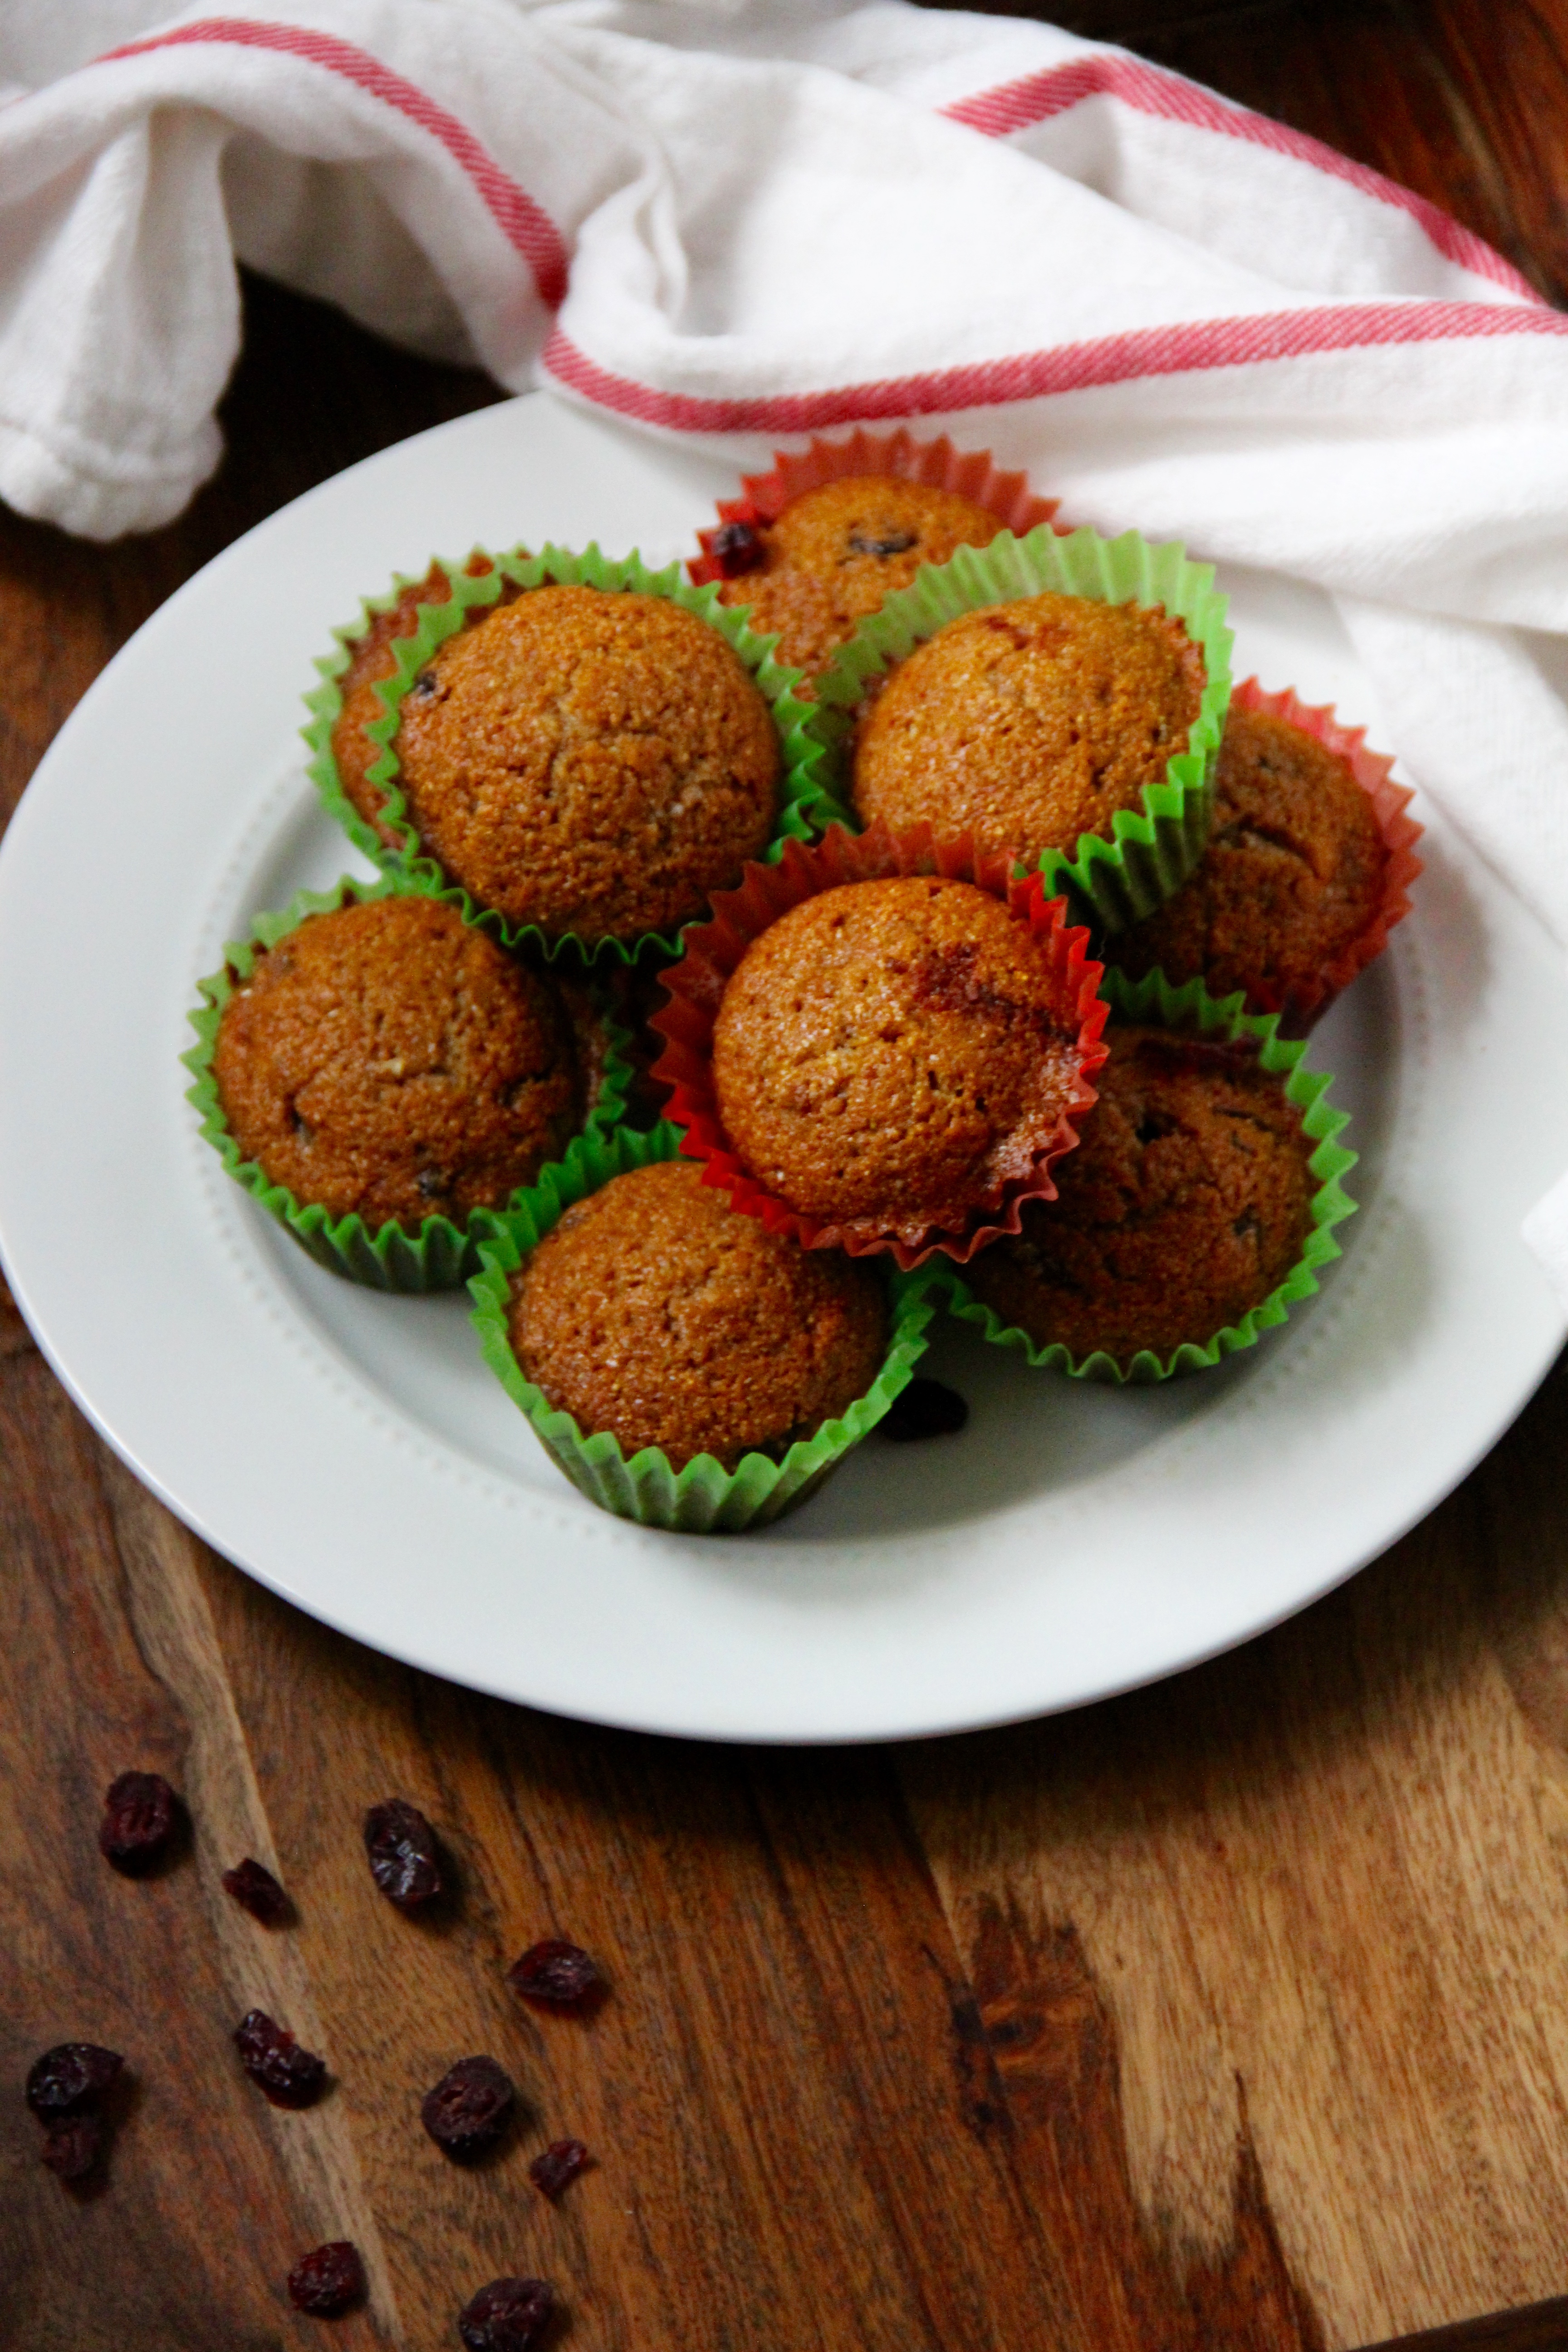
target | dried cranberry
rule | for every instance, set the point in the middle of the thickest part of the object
(886, 542)
(328, 2282)
(139, 1817)
(556, 1973)
(255, 1890)
(925, 1409)
(734, 549)
(558, 2167)
(72, 2075)
(292, 2077)
(404, 1857)
(510, 2314)
(470, 2108)
(73, 2145)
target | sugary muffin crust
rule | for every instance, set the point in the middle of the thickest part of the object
(1029, 723)
(590, 762)
(1294, 872)
(1186, 1203)
(390, 1059)
(654, 1311)
(832, 555)
(890, 1050)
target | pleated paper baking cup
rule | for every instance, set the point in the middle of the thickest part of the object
(1302, 1004)
(713, 952)
(970, 474)
(806, 801)
(1149, 852)
(702, 1497)
(443, 1254)
(1191, 1010)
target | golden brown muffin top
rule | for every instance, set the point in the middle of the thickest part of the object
(1029, 723)
(389, 1058)
(891, 1051)
(833, 554)
(656, 1312)
(1294, 871)
(592, 762)
(1187, 1201)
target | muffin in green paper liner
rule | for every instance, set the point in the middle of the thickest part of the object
(1191, 1013)
(804, 803)
(1149, 850)
(702, 1496)
(444, 1251)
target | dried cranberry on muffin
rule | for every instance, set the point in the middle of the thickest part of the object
(1187, 1201)
(652, 1310)
(889, 1053)
(1294, 873)
(388, 1058)
(591, 762)
(831, 555)
(1029, 724)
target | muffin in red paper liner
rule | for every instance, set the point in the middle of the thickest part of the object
(815, 546)
(1307, 870)
(952, 978)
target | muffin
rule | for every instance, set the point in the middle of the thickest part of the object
(370, 660)
(1187, 1201)
(889, 1055)
(1028, 724)
(388, 1059)
(831, 555)
(652, 1311)
(587, 761)
(1295, 873)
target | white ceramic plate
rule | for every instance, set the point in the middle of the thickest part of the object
(351, 1451)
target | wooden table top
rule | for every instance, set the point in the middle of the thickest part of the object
(1231, 2013)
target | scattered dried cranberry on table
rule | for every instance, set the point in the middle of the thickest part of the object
(255, 1890)
(329, 2280)
(290, 2076)
(73, 2143)
(925, 1409)
(140, 1814)
(735, 549)
(404, 1854)
(555, 1972)
(510, 2314)
(558, 2167)
(71, 2075)
(470, 2108)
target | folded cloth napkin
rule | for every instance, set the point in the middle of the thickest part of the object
(737, 220)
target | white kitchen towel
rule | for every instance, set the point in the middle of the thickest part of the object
(741, 220)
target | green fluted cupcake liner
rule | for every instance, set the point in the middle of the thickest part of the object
(702, 1498)
(1151, 851)
(806, 804)
(443, 1254)
(1191, 1008)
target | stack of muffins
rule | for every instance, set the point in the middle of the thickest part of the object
(985, 924)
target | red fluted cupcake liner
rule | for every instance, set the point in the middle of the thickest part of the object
(713, 952)
(971, 474)
(1390, 802)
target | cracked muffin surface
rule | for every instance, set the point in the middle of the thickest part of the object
(389, 1058)
(833, 554)
(892, 1051)
(591, 762)
(1294, 871)
(652, 1310)
(1028, 724)
(1187, 1201)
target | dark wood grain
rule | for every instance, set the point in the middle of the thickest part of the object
(1230, 2014)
